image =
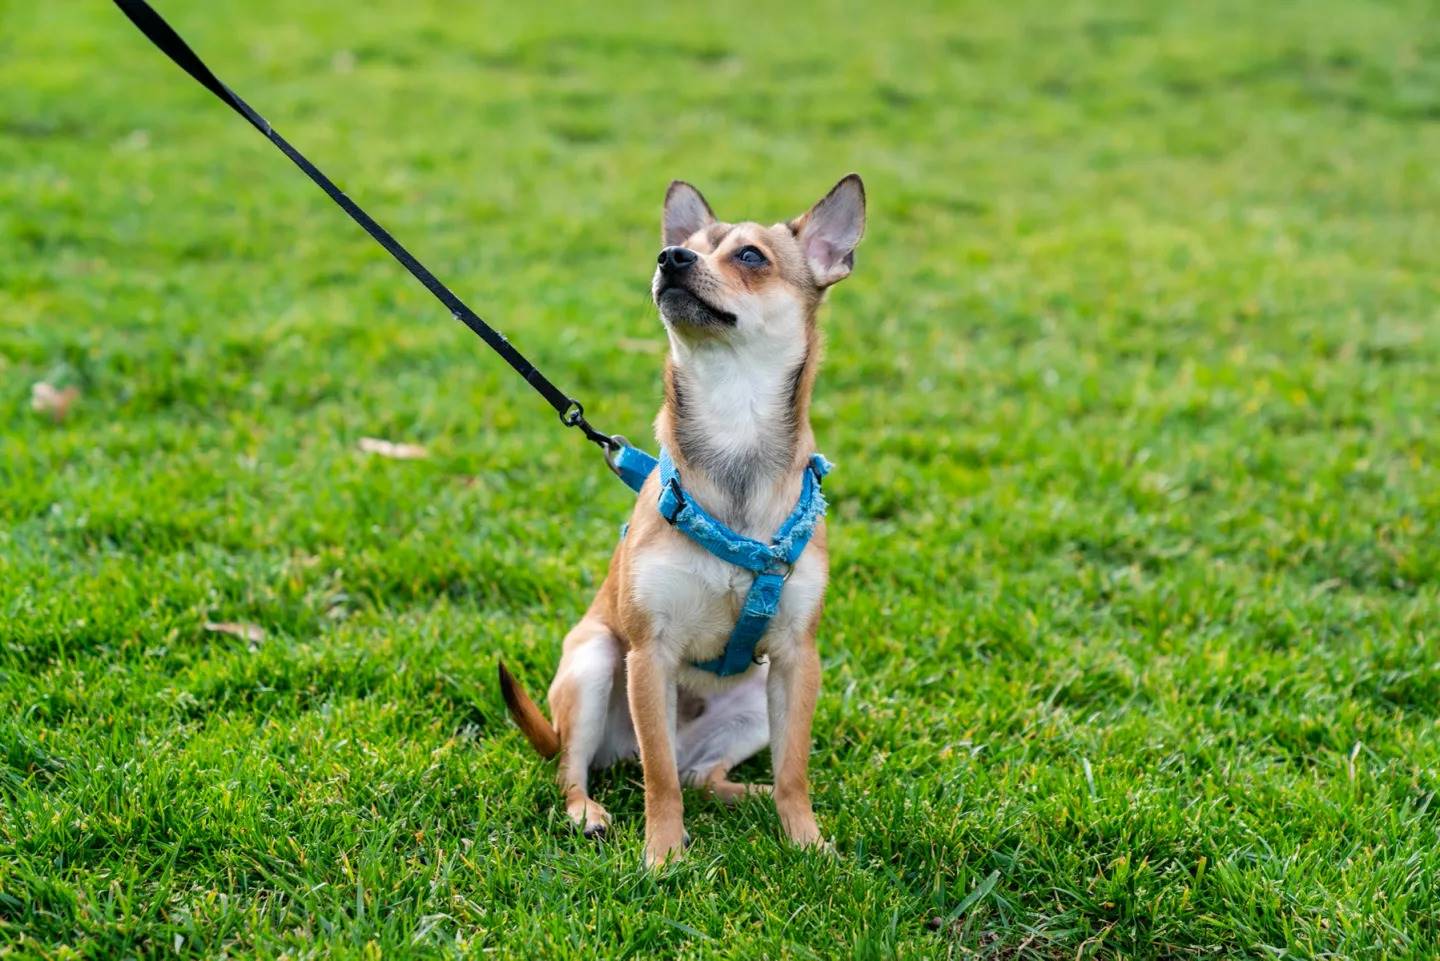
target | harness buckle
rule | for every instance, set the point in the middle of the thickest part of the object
(679, 495)
(782, 569)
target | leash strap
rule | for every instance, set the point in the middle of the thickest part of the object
(160, 33)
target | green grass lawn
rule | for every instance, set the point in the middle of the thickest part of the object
(1133, 642)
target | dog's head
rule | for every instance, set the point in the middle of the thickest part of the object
(748, 282)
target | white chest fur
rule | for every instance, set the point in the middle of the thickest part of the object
(693, 599)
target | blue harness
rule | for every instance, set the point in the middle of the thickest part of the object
(770, 563)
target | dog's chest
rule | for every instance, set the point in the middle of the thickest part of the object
(693, 598)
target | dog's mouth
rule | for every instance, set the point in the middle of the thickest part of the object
(679, 305)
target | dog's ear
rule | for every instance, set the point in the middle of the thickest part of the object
(829, 231)
(685, 212)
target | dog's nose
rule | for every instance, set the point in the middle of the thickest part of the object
(674, 260)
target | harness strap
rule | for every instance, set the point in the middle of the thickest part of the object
(695, 522)
(762, 603)
(160, 33)
(632, 465)
(770, 563)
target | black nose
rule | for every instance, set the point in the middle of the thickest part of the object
(674, 260)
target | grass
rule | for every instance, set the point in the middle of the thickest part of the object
(1133, 646)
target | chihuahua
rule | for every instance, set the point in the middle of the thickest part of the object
(739, 303)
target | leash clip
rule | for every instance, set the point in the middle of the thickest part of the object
(573, 415)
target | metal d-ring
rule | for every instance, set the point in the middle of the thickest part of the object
(612, 451)
(782, 569)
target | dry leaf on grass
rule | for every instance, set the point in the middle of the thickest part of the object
(48, 399)
(385, 448)
(248, 632)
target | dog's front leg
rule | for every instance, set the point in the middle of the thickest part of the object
(791, 690)
(652, 691)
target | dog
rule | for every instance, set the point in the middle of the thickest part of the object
(738, 302)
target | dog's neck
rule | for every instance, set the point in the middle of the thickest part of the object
(737, 423)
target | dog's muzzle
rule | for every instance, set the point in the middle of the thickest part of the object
(674, 261)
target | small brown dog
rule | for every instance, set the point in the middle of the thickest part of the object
(739, 304)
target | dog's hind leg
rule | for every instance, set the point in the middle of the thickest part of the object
(580, 704)
(733, 726)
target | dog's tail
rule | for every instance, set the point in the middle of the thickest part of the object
(527, 716)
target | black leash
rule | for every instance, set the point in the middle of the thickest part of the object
(169, 42)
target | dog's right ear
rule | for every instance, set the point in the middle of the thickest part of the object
(685, 212)
(829, 231)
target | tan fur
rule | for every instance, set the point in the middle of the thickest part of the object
(528, 717)
(618, 641)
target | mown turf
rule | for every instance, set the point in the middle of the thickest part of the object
(1133, 647)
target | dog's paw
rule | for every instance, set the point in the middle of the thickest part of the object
(590, 818)
(802, 830)
(665, 847)
(816, 844)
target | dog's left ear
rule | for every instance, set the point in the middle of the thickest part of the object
(685, 212)
(829, 231)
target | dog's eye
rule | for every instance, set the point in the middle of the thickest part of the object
(750, 257)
